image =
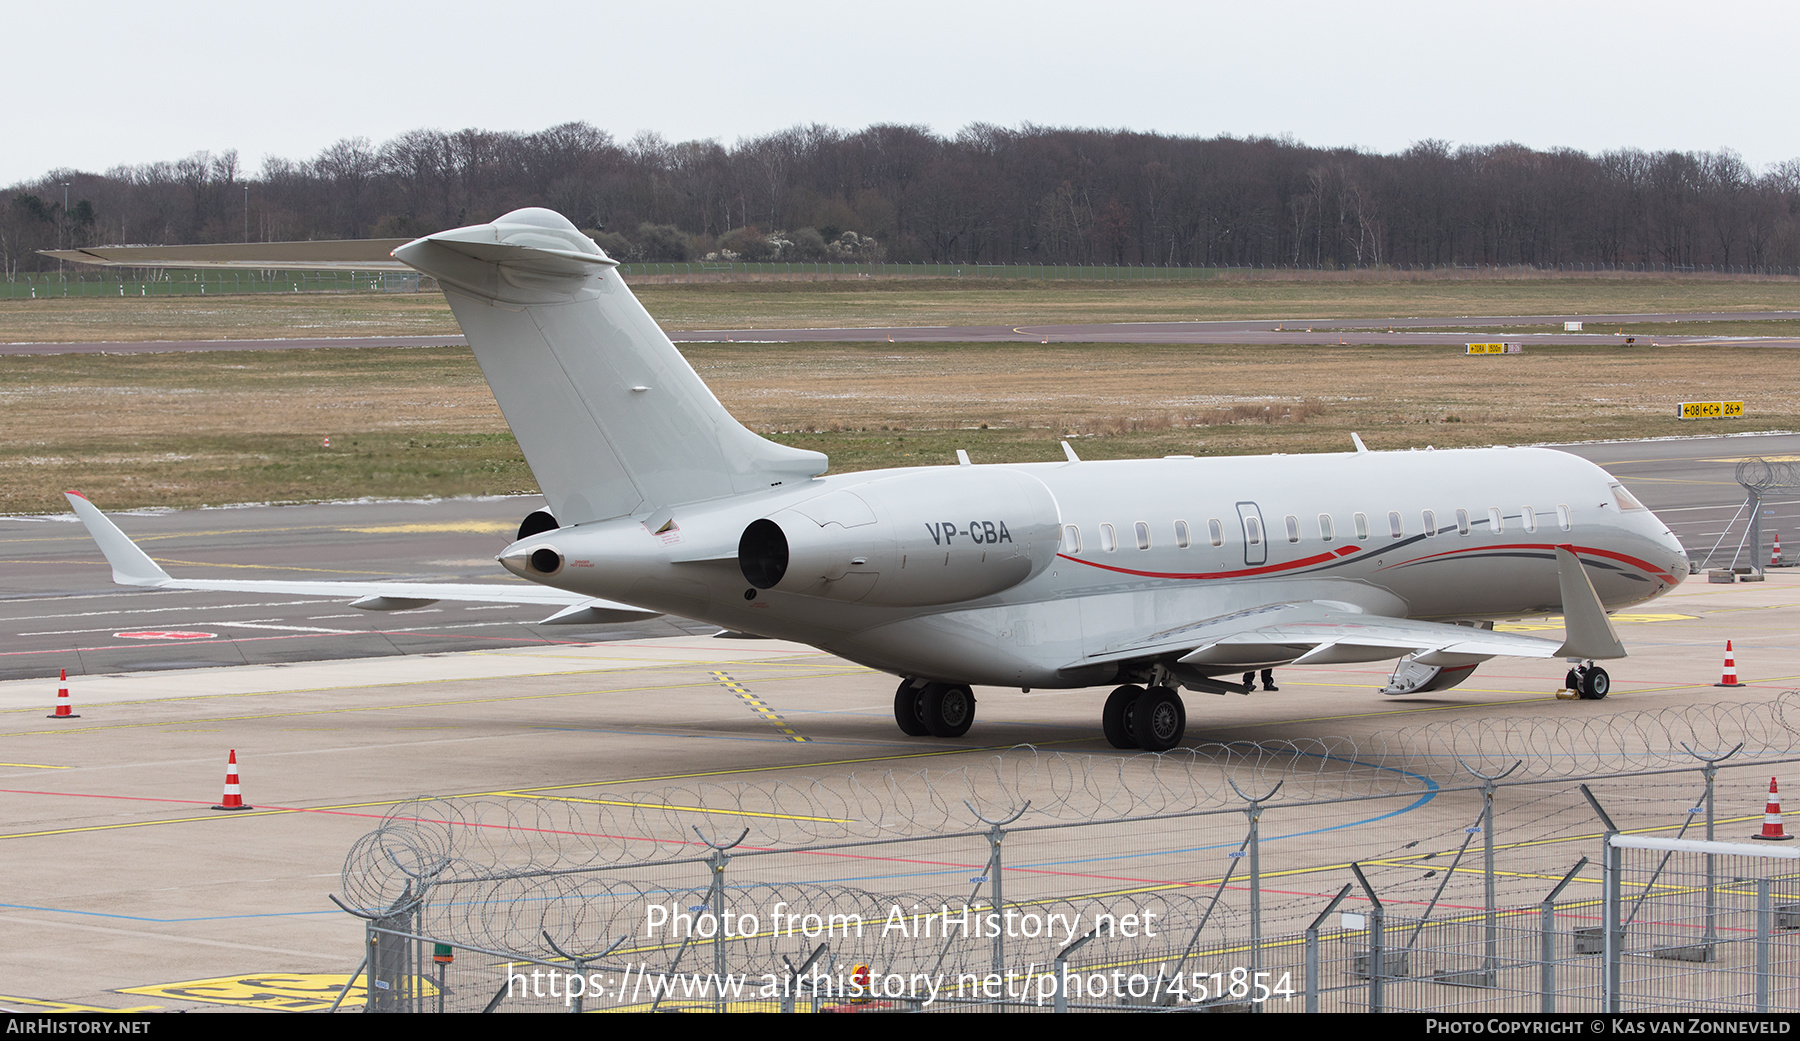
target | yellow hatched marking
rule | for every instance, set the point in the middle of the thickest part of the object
(275, 991)
(757, 706)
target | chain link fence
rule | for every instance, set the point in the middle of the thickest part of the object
(1452, 868)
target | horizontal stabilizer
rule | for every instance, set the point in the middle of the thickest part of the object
(328, 255)
(132, 567)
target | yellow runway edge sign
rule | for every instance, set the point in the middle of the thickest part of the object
(1496, 348)
(1709, 409)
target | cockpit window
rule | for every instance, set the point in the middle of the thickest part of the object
(1625, 499)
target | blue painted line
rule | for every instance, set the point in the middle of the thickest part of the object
(165, 921)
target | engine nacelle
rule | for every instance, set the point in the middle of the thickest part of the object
(939, 536)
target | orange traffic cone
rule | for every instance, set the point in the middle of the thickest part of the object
(1772, 818)
(1775, 555)
(64, 707)
(1730, 678)
(234, 799)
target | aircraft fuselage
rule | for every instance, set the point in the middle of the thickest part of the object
(1038, 568)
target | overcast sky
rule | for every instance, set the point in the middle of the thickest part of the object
(104, 83)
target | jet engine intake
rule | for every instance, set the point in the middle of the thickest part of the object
(919, 539)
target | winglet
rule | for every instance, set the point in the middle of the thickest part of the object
(1588, 632)
(131, 565)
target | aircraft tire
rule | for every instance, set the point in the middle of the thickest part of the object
(1159, 719)
(1115, 718)
(1572, 681)
(1595, 684)
(948, 709)
(906, 710)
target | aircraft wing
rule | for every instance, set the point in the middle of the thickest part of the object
(1319, 632)
(133, 567)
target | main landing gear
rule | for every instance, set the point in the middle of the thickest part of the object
(1588, 680)
(935, 709)
(1153, 720)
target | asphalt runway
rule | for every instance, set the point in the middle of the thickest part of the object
(125, 890)
(1339, 331)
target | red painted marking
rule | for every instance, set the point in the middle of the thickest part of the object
(1267, 569)
(164, 634)
(1642, 565)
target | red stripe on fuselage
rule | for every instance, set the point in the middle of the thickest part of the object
(1324, 558)
(1265, 570)
(1642, 565)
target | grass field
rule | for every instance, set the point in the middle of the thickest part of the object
(877, 302)
(191, 429)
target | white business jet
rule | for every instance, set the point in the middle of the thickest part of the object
(1151, 575)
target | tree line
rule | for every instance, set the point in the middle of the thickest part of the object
(984, 195)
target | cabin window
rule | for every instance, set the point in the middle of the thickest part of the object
(1253, 530)
(1362, 525)
(1293, 528)
(1071, 539)
(1325, 527)
(1462, 522)
(1430, 522)
(1217, 531)
(1143, 535)
(1181, 535)
(1496, 520)
(1109, 540)
(1563, 518)
(1395, 527)
(1529, 517)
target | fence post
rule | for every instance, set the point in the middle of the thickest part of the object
(1490, 961)
(1614, 932)
(1312, 949)
(715, 898)
(1376, 940)
(1254, 812)
(1711, 770)
(996, 893)
(1547, 941)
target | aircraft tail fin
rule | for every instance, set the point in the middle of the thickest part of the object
(611, 417)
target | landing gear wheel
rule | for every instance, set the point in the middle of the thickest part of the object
(1115, 718)
(906, 710)
(1595, 684)
(947, 709)
(1572, 681)
(1159, 719)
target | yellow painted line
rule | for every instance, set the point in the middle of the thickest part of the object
(690, 809)
(34, 766)
(757, 706)
(472, 527)
(7, 1002)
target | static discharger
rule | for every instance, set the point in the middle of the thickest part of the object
(234, 798)
(64, 707)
